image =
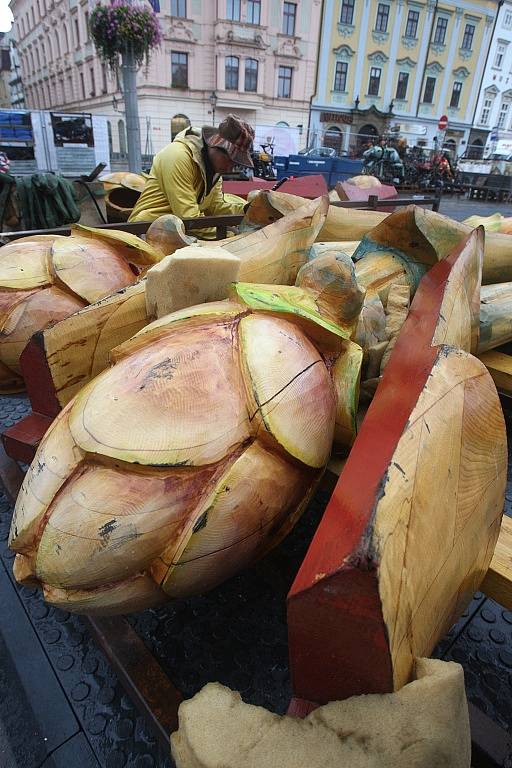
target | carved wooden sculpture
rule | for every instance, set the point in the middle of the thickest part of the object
(195, 452)
(340, 223)
(343, 224)
(410, 529)
(275, 253)
(61, 353)
(495, 316)
(48, 278)
(167, 233)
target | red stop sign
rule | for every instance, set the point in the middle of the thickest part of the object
(443, 122)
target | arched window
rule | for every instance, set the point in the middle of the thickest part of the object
(283, 124)
(66, 39)
(178, 123)
(122, 137)
(251, 75)
(333, 138)
(366, 134)
(57, 45)
(232, 65)
(476, 150)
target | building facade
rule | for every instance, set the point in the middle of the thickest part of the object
(492, 132)
(253, 57)
(5, 70)
(399, 65)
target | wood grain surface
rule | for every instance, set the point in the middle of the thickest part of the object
(410, 529)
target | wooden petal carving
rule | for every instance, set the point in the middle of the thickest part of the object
(340, 223)
(114, 522)
(179, 401)
(495, 316)
(37, 310)
(90, 270)
(410, 529)
(167, 233)
(254, 496)
(25, 265)
(346, 374)
(132, 248)
(275, 253)
(133, 594)
(57, 457)
(283, 372)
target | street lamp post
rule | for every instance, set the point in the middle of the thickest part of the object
(213, 102)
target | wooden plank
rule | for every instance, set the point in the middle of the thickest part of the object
(135, 227)
(22, 439)
(499, 366)
(140, 674)
(497, 583)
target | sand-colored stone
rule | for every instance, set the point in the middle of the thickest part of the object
(425, 724)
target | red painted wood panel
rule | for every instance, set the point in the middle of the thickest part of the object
(21, 440)
(38, 380)
(337, 637)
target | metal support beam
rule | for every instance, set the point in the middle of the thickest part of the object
(131, 107)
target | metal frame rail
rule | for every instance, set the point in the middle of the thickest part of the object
(223, 223)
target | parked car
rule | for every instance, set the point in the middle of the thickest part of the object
(323, 152)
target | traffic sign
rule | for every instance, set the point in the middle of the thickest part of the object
(443, 122)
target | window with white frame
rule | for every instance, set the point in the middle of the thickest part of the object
(507, 22)
(504, 112)
(467, 40)
(486, 111)
(456, 91)
(500, 55)
(231, 73)
(253, 11)
(374, 81)
(381, 22)
(347, 11)
(233, 10)
(411, 27)
(340, 76)
(428, 93)
(179, 8)
(440, 32)
(251, 75)
(284, 83)
(401, 86)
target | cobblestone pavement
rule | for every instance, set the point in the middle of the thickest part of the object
(460, 208)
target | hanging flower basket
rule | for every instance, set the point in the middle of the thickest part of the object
(119, 27)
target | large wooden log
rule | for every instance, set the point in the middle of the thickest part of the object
(410, 529)
(495, 316)
(275, 253)
(340, 223)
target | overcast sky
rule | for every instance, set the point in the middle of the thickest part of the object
(5, 16)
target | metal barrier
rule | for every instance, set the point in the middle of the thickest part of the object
(223, 223)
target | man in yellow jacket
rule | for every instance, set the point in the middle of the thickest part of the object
(185, 177)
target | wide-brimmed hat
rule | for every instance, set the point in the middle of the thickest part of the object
(233, 135)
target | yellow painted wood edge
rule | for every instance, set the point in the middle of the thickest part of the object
(497, 583)
(499, 366)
